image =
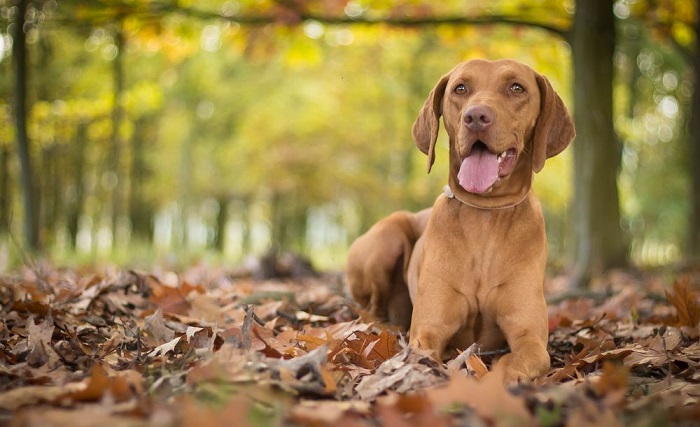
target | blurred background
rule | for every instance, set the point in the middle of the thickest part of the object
(144, 132)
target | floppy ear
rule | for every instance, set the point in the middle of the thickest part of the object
(554, 129)
(427, 124)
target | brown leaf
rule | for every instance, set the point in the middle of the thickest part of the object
(170, 299)
(590, 415)
(40, 350)
(121, 387)
(196, 414)
(155, 324)
(613, 383)
(685, 300)
(326, 412)
(488, 397)
(409, 410)
(411, 369)
(474, 365)
(14, 399)
(363, 349)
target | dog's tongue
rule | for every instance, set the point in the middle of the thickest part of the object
(479, 170)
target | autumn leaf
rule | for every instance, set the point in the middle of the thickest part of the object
(121, 386)
(488, 397)
(259, 363)
(414, 410)
(685, 300)
(613, 383)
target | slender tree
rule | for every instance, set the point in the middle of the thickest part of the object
(117, 117)
(19, 57)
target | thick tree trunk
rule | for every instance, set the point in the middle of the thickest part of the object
(694, 141)
(19, 56)
(597, 152)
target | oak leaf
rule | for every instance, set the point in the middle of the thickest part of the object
(685, 301)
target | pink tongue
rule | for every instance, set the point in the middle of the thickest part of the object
(479, 171)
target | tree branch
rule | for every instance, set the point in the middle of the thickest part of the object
(292, 17)
(255, 20)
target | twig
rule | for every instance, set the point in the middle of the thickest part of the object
(249, 309)
(662, 332)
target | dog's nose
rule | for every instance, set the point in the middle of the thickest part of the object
(478, 117)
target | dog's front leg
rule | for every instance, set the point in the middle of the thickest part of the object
(522, 317)
(439, 312)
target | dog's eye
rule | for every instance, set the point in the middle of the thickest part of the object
(460, 89)
(517, 88)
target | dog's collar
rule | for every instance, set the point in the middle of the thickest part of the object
(451, 195)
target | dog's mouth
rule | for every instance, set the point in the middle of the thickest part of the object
(481, 169)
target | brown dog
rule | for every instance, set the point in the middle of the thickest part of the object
(476, 273)
(377, 265)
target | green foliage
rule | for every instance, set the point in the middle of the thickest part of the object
(289, 129)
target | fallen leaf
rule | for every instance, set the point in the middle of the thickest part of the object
(410, 369)
(120, 387)
(414, 410)
(155, 325)
(327, 412)
(164, 348)
(612, 384)
(588, 414)
(685, 300)
(488, 397)
(198, 414)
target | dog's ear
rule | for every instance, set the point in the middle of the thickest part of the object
(554, 129)
(427, 124)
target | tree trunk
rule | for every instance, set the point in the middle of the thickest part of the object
(694, 141)
(74, 208)
(51, 188)
(19, 55)
(117, 116)
(5, 195)
(140, 209)
(221, 221)
(600, 243)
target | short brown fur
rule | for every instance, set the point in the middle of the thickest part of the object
(476, 272)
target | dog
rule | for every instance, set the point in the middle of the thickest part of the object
(377, 264)
(475, 273)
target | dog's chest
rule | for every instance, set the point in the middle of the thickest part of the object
(485, 247)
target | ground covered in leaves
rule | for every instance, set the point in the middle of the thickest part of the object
(207, 347)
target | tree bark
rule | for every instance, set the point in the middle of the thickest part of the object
(140, 209)
(74, 208)
(221, 222)
(597, 152)
(4, 190)
(30, 201)
(694, 142)
(117, 115)
(51, 184)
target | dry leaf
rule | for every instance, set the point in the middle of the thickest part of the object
(410, 410)
(164, 348)
(685, 300)
(488, 397)
(613, 383)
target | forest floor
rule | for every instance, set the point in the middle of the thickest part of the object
(207, 347)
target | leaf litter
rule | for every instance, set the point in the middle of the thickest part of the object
(207, 347)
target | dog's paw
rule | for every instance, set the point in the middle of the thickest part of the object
(516, 369)
(427, 347)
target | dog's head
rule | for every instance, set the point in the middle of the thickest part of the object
(495, 113)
